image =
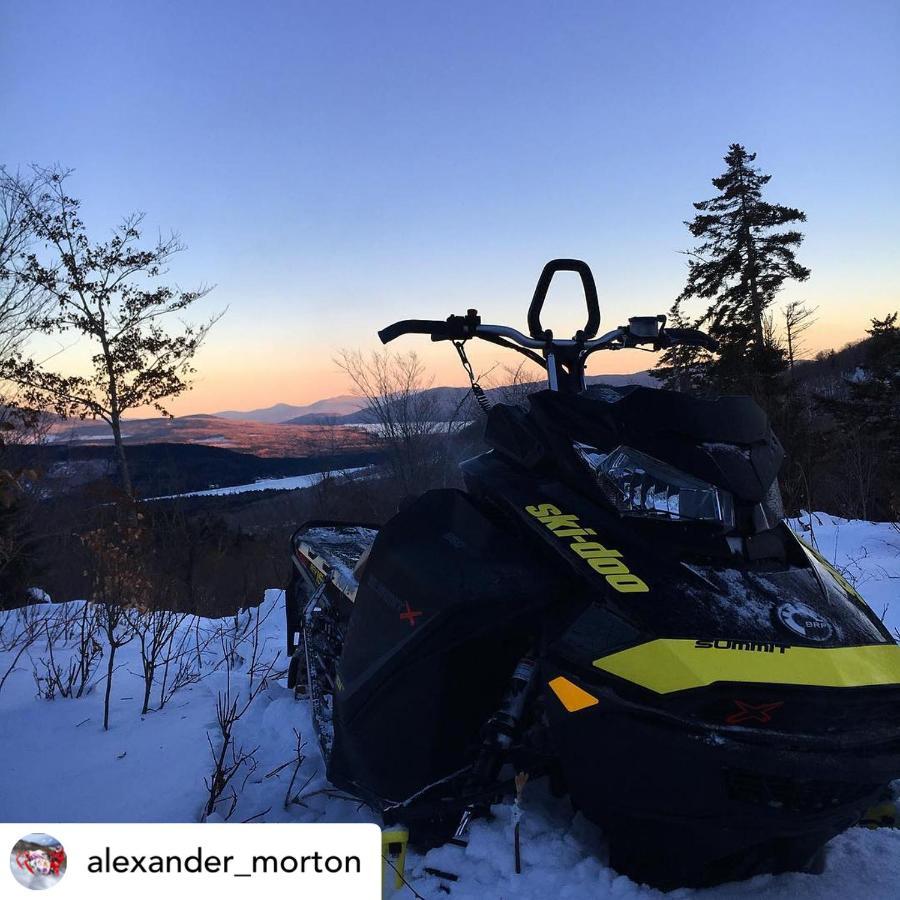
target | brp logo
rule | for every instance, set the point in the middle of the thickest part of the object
(804, 621)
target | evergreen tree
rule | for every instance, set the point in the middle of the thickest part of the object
(865, 439)
(744, 256)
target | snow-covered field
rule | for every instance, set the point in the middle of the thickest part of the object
(289, 483)
(59, 764)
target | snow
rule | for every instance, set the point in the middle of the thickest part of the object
(867, 554)
(290, 483)
(152, 768)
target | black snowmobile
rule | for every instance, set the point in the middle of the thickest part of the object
(616, 603)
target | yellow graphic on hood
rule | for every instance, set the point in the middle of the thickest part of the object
(667, 665)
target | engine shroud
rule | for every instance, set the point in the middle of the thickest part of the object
(444, 611)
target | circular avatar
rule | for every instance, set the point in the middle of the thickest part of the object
(38, 861)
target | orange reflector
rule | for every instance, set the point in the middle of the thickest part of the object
(572, 697)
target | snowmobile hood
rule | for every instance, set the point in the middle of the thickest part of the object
(727, 441)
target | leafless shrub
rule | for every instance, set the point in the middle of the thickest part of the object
(182, 662)
(119, 582)
(231, 758)
(155, 631)
(19, 630)
(69, 677)
(292, 796)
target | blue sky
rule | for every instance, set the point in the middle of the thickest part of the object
(334, 166)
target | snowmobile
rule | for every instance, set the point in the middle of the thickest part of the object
(616, 603)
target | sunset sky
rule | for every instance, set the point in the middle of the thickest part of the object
(334, 166)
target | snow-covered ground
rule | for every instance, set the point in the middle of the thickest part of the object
(59, 764)
(867, 554)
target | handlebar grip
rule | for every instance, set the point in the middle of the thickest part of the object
(690, 337)
(414, 326)
(540, 295)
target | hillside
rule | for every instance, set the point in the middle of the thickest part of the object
(170, 468)
(261, 438)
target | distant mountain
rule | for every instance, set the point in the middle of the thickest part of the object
(281, 412)
(444, 403)
(645, 379)
(301, 435)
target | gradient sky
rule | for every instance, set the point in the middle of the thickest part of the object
(334, 166)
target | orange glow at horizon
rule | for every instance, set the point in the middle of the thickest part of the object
(301, 377)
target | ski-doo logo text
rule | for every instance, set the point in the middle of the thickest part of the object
(602, 560)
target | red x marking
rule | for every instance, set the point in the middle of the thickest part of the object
(746, 712)
(410, 615)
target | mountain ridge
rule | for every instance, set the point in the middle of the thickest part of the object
(340, 405)
(445, 401)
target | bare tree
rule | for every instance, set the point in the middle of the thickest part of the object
(797, 318)
(21, 306)
(99, 296)
(21, 300)
(514, 383)
(396, 393)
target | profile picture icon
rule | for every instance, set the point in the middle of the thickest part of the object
(38, 861)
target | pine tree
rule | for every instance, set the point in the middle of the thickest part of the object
(743, 258)
(865, 438)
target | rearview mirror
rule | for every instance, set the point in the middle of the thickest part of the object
(646, 326)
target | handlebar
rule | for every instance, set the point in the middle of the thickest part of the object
(540, 295)
(563, 358)
(460, 328)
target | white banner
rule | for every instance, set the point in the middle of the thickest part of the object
(141, 861)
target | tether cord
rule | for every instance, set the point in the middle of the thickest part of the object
(480, 396)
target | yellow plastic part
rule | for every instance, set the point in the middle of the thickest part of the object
(572, 697)
(882, 815)
(668, 665)
(393, 854)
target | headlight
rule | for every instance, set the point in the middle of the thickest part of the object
(638, 484)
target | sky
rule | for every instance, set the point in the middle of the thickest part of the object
(335, 166)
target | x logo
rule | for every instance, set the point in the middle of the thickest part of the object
(410, 615)
(747, 712)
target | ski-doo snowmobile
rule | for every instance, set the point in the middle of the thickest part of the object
(615, 602)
